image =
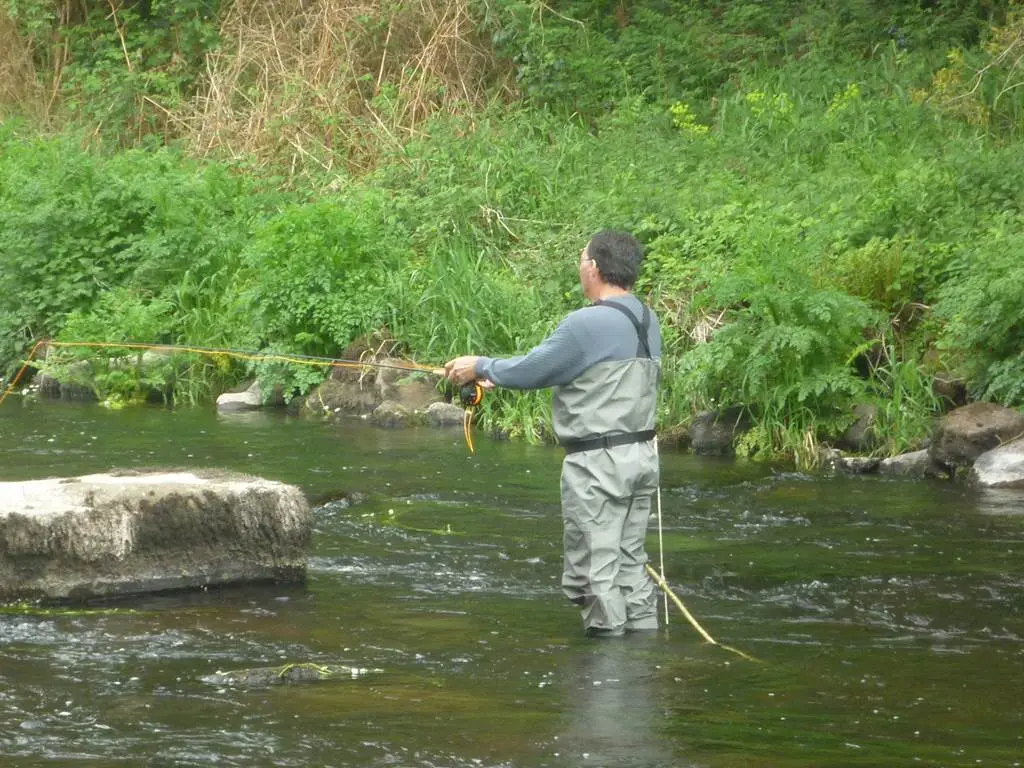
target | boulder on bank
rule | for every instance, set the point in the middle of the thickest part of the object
(391, 415)
(714, 433)
(914, 464)
(445, 415)
(75, 380)
(50, 388)
(856, 465)
(249, 397)
(966, 433)
(860, 436)
(413, 390)
(1002, 467)
(135, 532)
(362, 391)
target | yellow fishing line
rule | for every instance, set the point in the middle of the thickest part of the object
(689, 616)
(324, 362)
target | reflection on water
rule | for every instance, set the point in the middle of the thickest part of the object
(612, 712)
(1001, 501)
(888, 614)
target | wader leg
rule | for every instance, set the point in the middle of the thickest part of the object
(635, 584)
(593, 526)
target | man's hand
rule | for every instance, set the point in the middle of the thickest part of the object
(461, 370)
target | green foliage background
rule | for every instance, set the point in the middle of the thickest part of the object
(829, 194)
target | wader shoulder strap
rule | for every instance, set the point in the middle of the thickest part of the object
(641, 326)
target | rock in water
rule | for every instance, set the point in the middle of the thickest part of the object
(135, 532)
(261, 677)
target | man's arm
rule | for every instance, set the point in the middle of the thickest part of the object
(557, 360)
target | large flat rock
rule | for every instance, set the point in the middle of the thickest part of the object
(134, 532)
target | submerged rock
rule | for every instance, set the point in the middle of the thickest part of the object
(260, 677)
(135, 532)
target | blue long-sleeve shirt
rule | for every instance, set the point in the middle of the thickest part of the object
(588, 336)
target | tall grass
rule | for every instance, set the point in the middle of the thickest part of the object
(460, 299)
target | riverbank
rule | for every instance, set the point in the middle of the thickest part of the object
(829, 226)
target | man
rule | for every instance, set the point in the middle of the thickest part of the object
(604, 363)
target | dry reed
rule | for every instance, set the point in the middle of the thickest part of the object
(19, 87)
(314, 83)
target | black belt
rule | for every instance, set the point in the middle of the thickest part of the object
(608, 441)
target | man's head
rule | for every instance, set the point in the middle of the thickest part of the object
(616, 257)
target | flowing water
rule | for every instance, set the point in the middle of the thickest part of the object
(885, 616)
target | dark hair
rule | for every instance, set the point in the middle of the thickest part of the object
(618, 256)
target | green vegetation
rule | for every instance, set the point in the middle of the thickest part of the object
(829, 192)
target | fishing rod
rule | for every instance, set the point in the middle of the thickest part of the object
(470, 395)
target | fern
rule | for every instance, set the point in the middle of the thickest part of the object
(784, 354)
(983, 309)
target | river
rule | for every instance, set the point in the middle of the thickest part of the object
(885, 617)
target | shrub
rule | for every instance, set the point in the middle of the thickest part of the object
(115, 374)
(982, 306)
(312, 276)
(76, 223)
